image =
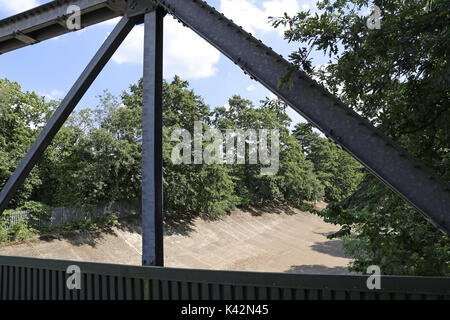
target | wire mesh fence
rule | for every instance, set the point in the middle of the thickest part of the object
(62, 215)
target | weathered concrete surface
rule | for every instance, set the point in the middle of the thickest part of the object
(283, 240)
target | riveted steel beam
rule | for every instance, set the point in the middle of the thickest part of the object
(140, 7)
(24, 38)
(152, 161)
(421, 187)
(49, 20)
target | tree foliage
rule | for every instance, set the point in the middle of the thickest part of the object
(398, 78)
(337, 171)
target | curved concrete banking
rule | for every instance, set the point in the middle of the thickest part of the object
(286, 241)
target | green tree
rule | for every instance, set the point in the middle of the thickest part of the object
(295, 180)
(22, 115)
(189, 190)
(336, 170)
(397, 77)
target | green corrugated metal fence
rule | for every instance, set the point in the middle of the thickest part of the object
(30, 278)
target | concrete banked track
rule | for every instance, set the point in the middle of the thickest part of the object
(418, 185)
(274, 240)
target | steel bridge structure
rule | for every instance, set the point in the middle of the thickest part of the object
(408, 177)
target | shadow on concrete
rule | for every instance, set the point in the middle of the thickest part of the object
(318, 269)
(325, 234)
(269, 209)
(79, 237)
(179, 224)
(331, 247)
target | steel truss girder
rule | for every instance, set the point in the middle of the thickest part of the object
(418, 185)
(61, 114)
(421, 187)
(49, 20)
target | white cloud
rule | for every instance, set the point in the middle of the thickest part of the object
(253, 18)
(17, 6)
(131, 50)
(185, 53)
(251, 88)
(55, 94)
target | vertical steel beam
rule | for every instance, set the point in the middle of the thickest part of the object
(152, 197)
(65, 108)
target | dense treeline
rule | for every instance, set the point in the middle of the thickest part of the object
(96, 157)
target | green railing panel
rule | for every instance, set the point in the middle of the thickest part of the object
(31, 278)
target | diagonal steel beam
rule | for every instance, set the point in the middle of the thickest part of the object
(61, 114)
(421, 187)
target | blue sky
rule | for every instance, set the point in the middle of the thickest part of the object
(50, 68)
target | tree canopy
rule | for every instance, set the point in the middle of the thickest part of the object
(96, 156)
(396, 76)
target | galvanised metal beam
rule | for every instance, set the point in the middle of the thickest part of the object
(152, 161)
(421, 187)
(49, 20)
(61, 114)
